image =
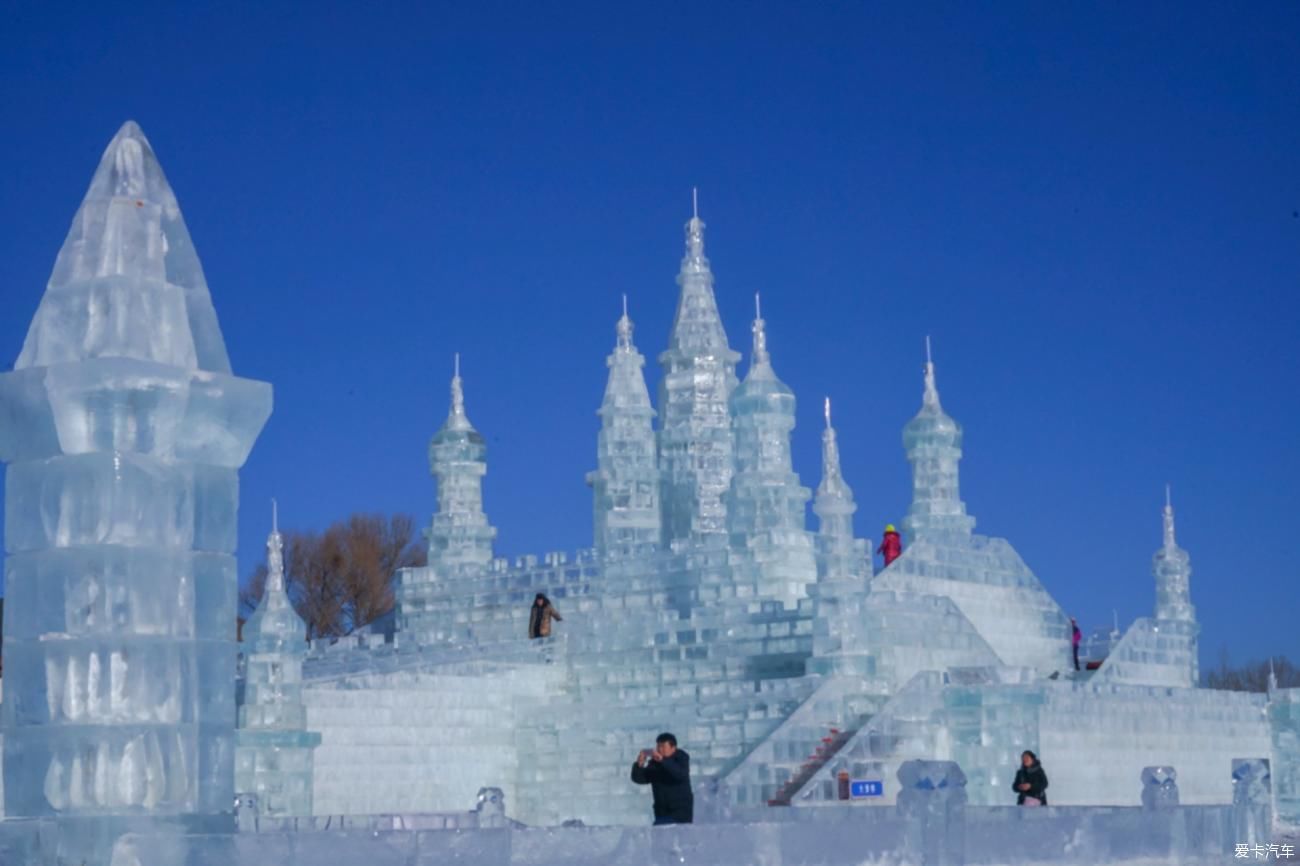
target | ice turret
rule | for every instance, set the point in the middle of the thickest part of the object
(625, 485)
(1172, 569)
(840, 555)
(124, 433)
(933, 443)
(460, 539)
(766, 504)
(274, 750)
(695, 439)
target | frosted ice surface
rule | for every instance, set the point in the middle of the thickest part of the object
(127, 282)
(125, 433)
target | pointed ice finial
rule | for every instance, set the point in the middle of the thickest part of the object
(931, 397)
(274, 553)
(761, 357)
(1272, 676)
(624, 330)
(827, 412)
(1114, 629)
(457, 393)
(695, 228)
(1169, 518)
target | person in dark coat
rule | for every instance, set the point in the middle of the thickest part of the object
(1031, 780)
(667, 770)
(539, 618)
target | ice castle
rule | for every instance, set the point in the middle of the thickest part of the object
(796, 676)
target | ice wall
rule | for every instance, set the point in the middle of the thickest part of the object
(1284, 731)
(124, 434)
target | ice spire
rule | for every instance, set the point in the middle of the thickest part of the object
(124, 431)
(839, 555)
(760, 360)
(1172, 569)
(766, 504)
(1272, 677)
(274, 751)
(625, 484)
(127, 282)
(695, 447)
(933, 443)
(460, 539)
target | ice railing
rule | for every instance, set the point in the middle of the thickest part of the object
(907, 718)
(842, 702)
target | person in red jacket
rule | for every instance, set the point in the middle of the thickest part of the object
(1076, 637)
(891, 546)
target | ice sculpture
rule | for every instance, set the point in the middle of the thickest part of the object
(460, 539)
(984, 577)
(840, 554)
(1284, 764)
(1162, 649)
(699, 374)
(933, 443)
(273, 749)
(766, 503)
(625, 484)
(124, 433)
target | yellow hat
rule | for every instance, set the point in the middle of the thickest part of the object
(889, 527)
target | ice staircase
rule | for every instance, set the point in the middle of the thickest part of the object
(830, 746)
(773, 772)
(907, 726)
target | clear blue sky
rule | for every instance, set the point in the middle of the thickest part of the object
(1094, 208)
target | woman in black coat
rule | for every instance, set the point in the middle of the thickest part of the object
(1031, 780)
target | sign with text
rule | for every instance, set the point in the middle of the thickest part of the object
(860, 788)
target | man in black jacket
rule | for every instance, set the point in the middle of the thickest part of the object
(667, 770)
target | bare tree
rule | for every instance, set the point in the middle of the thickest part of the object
(1252, 676)
(341, 579)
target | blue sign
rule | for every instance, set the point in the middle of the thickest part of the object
(861, 788)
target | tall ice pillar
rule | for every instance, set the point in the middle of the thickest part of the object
(124, 431)
(699, 374)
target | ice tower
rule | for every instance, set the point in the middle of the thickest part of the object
(695, 439)
(460, 539)
(933, 443)
(840, 555)
(1175, 614)
(766, 504)
(1172, 569)
(124, 433)
(273, 754)
(942, 556)
(625, 486)
(843, 566)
